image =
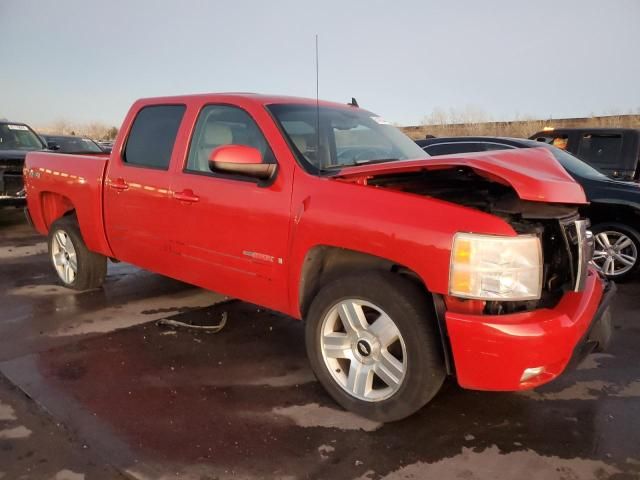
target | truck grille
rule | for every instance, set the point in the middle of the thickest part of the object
(578, 242)
(567, 247)
(11, 184)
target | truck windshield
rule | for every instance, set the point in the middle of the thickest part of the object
(18, 137)
(328, 138)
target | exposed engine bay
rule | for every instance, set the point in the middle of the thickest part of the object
(552, 223)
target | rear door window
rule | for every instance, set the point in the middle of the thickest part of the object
(152, 136)
(600, 148)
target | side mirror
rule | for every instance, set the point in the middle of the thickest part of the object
(53, 146)
(241, 160)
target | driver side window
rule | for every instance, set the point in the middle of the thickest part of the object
(219, 125)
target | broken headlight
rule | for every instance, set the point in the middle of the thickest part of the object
(489, 267)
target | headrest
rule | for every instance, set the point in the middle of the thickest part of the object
(300, 142)
(217, 134)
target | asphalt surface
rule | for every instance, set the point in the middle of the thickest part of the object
(91, 387)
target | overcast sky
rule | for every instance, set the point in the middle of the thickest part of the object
(85, 60)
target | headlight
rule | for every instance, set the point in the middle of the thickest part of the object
(488, 267)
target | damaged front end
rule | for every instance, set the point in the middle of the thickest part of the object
(567, 245)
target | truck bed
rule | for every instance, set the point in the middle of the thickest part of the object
(77, 180)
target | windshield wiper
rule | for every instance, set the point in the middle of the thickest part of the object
(377, 160)
(361, 162)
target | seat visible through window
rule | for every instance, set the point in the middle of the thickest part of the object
(215, 134)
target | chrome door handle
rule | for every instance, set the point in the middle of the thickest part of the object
(186, 196)
(118, 184)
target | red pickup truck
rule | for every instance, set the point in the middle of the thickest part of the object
(405, 269)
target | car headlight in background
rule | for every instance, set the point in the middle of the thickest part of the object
(488, 267)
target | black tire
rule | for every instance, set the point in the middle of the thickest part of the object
(91, 267)
(411, 309)
(629, 232)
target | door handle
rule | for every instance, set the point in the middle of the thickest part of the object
(186, 196)
(118, 184)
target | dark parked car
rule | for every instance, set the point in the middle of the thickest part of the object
(72, 144)
(16, 139)
(614, 207)
(613, 151)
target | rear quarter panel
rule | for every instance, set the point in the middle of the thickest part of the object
(57, 184)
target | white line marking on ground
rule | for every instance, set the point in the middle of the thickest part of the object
(13, 433)
(24, 251)
(130, 314)
(588, 390)
(7, 412)
(490, 464)
(68, 475)
(313, 415)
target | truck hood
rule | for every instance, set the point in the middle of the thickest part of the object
(13, 154)
(533, 173)
(606, 190)
(14, 157)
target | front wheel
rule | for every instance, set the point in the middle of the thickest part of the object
(77, 267)
(372, 343)
(617, 248)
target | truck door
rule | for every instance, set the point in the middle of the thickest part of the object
(230, 232)
(136, 196)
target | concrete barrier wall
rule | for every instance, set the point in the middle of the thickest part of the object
(522, 129)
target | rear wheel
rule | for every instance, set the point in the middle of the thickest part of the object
(77, 267)
(617, 249)
(372, 343)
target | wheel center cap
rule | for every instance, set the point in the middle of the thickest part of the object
(364, 348)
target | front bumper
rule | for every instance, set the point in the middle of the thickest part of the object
(492, 352)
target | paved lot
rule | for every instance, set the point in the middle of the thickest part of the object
(108, 391)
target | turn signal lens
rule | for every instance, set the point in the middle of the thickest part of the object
(489, 267)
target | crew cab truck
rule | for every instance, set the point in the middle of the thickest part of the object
(404, 269)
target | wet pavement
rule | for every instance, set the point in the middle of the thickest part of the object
(32, 445)
(158, 403)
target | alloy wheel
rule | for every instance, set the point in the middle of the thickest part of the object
(64, 257)
(615, 253)
(363, 350)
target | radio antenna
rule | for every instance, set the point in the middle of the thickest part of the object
(317, 107)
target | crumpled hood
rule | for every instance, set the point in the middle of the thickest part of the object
(533, 173)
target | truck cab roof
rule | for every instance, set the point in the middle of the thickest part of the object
(249, 97)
